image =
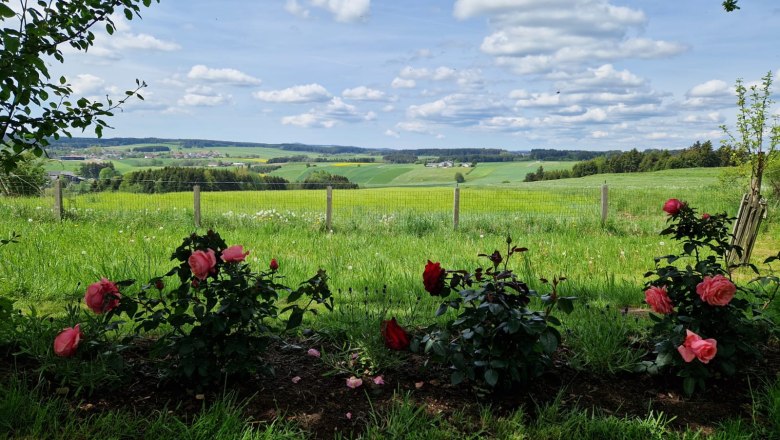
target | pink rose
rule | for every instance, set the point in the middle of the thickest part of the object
(102, 296)
(673, 206)
(66, 343)
(658, 299)
(717, 290)
(354, 382)
(202, 263)
(234, 254)
(274, 264)
(695, 347)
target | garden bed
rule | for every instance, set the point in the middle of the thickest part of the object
(321, 403)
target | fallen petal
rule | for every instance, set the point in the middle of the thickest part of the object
(349, 416)
(313, 352)
(379, 380)
(296, 379)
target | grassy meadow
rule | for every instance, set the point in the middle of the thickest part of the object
(378, 237)
(374, 253)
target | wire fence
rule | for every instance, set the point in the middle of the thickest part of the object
(327, 207)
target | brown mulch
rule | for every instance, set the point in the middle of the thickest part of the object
(319, 403)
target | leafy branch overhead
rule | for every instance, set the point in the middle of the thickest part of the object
(34, 106)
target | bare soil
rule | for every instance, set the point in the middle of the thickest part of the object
(321, 403)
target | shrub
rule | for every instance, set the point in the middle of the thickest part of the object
(219, 319)
(496, 338)
(705, 325)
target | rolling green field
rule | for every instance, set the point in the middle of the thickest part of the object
(378, 237)
(369, 174)
(380, 240)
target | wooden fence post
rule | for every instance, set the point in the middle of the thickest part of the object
(196, 200)
(58, 199)
(456, 208)
(329, 208)
(604, 203)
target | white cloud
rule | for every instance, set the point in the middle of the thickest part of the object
(228, 76)
(509, 123)
(400, 83)
(294, 8)
(111, 47)
(708, 118)
(392, 133)
(531, 36)
(334, 112)
(86, 83)
(123, 41)
(414, 127)
(598, 134)
(458, 109)
(202, 96)
(710, 94)
(442, 73)
(711, 89)
(345, 10)
(363, 93)
(296, 94)
(388, 108)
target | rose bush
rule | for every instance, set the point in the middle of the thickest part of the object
(219, 317)
(707, 326)
(496, 338)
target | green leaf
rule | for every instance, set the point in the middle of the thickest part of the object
(549, 342)
(442, 308)
(6, 12)
(565, 305)
(295, 319)
(457, 377)
(109, 29)
(294, 296)
(689, 386)
(128, 14)
(491, 377)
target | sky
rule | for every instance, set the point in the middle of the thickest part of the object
(512, 74)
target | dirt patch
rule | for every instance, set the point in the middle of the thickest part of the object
(320, 403)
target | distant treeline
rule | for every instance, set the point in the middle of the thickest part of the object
(181, 179)
(565, 155)
(288, 159)
(697, 155)
(76, 143)
(453, 154)
(151, 149)
(173, 179)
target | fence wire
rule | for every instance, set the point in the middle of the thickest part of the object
(372, 205)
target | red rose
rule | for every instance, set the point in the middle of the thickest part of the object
(705, 216)
(716, 291)
(673, 206)
(433, 278)
(202, 263)
(696, 347)
(658, 299)
(396, 338)
(66, 343)
(102, 296)
(234, 254)
(274, 264)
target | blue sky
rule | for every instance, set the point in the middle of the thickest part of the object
(514, 74)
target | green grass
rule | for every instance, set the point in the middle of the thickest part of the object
(380, 239)
(26, 414)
